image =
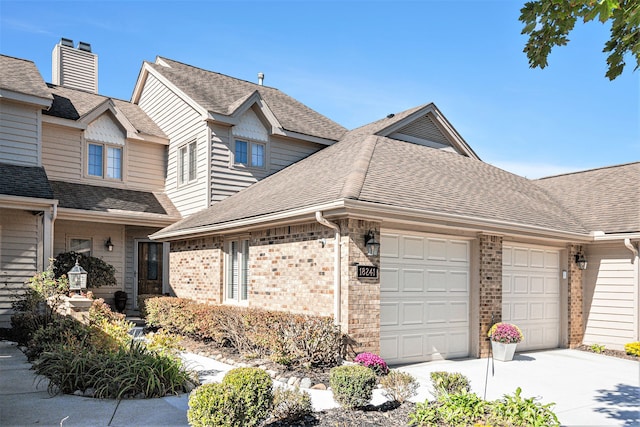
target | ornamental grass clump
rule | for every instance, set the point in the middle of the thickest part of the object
(505, 333)
(373, 362)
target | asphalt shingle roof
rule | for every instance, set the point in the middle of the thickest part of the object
(24, 181)
(394, 173)
(22, 76)
(222, 94)
(73, 103)
(605, 199)
(103, 199)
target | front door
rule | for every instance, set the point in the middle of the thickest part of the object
(150, 268)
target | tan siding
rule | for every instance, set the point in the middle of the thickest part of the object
(98, 233)
(182, 124)
(18, 134)
(286, 152)
(611, 296)
(62, 152)
(146, 165)
(18, 256)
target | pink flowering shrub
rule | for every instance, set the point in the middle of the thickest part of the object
(505, 333)
(373, 362)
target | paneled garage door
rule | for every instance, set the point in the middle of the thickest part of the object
(531, 294)
(424, 298)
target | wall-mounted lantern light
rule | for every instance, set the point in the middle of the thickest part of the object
(109, 245)
(373, 246)
(77, 278)
(581, 261)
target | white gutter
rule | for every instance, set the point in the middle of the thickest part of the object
(631, 247)
(336, 266)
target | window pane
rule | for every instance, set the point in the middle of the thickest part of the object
(80, 246)
(245, 270)
(232, 291)
(182, 165)
(257, 155)
(95, 160)
(192, 161)
(114, 163)
(152, 262)
(241, 152)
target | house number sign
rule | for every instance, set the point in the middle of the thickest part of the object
(367, 272)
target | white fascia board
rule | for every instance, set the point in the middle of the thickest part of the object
(599, 236)
(23, 98)
(25, 203)
(243, 224)
(114, 216)
(59, 121)
(109, 105)
(380, 212)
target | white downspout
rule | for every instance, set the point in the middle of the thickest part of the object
(336, 266)
(629, 245)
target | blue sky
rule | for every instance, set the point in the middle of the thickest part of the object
(357, 61)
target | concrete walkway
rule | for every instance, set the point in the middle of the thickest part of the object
(588, 389)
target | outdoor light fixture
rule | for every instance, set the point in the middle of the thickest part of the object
(77, 278)
(109, 245)
(373, 246)
(581, 261)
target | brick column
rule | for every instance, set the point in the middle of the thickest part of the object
(490, 291)
(574, 299)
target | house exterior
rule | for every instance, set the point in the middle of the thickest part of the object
(259, 201)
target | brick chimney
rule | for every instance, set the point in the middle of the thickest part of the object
(76, 68)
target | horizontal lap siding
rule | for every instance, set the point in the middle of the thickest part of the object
(611, 297)
(19, 134)
(146, 165)
(182, 124)
(62, 152)
(18, 256)
(285, 153)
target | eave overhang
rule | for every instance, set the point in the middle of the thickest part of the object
(114, 216)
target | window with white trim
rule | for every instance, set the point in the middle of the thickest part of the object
(104, 161)
(187, 163)
(237, 270)
(252, 154)
(80, 245)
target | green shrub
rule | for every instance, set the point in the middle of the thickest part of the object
(450, 410)
(100, 311)
(163, 342)
(514, 410)
(352, 385)
(633, 348)
(398, 386)
(211, 405)
(291, 404)
(449, 383)
(62, 330)
(99, 273)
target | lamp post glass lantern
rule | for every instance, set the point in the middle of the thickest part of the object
(373, 246)
(77, 278)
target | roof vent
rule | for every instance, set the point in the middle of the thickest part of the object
(389, 116)
(260, 78)
(84, 46)
(66, 42)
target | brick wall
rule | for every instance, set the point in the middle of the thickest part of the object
(490, 292)
(574, 301)
(290, 270)
(195, 269)
(363, 295)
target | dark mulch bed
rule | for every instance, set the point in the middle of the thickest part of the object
(607, 352)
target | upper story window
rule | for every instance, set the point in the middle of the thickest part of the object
(187, 163)
(237, 271)
(104, 161)
(250, 154)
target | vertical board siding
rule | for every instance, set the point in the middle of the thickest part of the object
(18, 256)
(62, 152)
(611, 297)
(19, 138)
(182, 124)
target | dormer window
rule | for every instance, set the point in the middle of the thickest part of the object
(104, 161)
(251, 154)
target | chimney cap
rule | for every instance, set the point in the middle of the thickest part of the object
(84, 46)
(66, 42)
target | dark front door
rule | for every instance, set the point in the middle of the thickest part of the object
(150, 268)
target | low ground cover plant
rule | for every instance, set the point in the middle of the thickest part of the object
(398, 386)
(633, 348)
(373, 362)
(290, 405)
(285, 338)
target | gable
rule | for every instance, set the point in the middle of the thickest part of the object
(249, 126)
(423, 131)
(105, 129)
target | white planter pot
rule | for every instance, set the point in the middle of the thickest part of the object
(503, 352)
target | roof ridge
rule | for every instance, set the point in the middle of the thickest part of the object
(354, 180)
(588, 170)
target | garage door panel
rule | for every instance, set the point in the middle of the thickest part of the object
(389, 314)
(459, 281)
(436, 312)
(390, 346)
(411, 345)
(412, 313)
(412, 280)
(459, 312)
(552, 285)
(436, 344)
(436, 280)
(520, 257)
(536, 284)
(458, 251)
(537, 259)
(536, 311)
(412, 247)
(437, 249)
(552, 311)
(389, 279)
(520, 284)
(458, 344)
(552, 260)
(390, 246)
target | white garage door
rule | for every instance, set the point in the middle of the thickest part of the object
(531, 294)
(424, 298)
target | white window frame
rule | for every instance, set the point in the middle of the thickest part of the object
(86, 239)
(251, 147)
(190, 152)
(236, 266)
(105, 160)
